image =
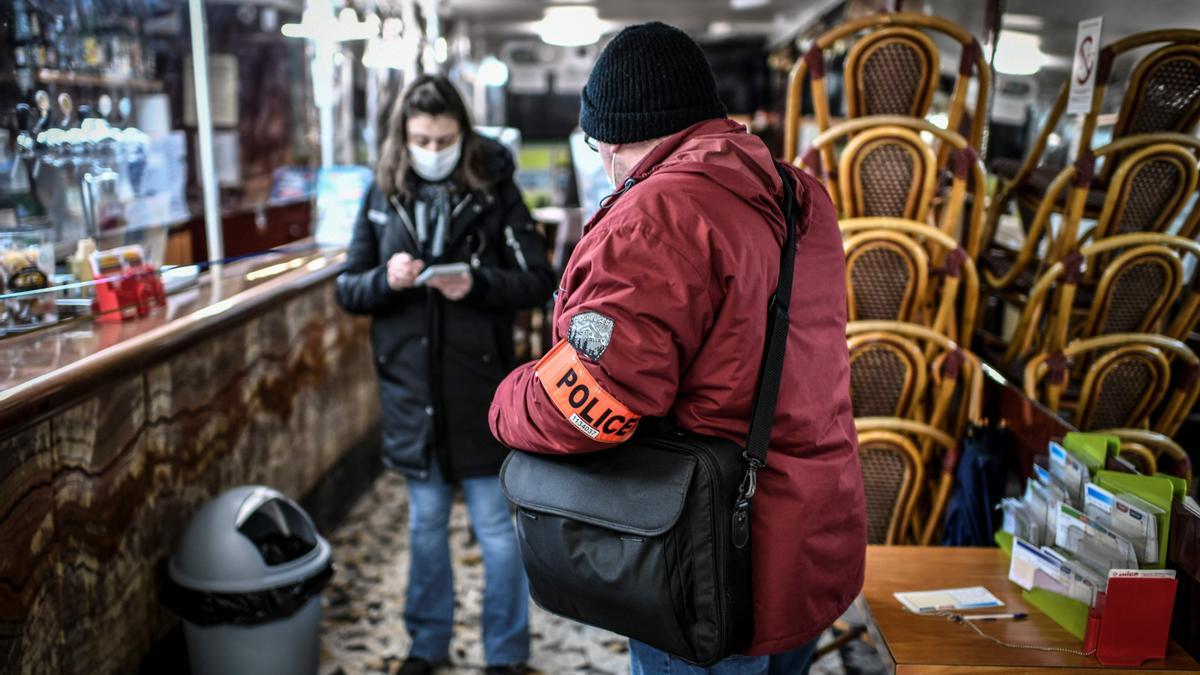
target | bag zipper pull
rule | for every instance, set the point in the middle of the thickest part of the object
(741, 508)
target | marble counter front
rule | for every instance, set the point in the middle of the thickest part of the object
(111, 435)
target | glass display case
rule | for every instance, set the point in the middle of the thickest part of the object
(100, 141)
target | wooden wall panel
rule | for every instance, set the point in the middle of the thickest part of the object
(30, 621)
(92, 499)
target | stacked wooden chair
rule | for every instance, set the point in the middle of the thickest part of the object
(913, 383)
(904, 270)
(892, 68)
(1129, 380)
(885, 168)
(1153, 179)
(1163, 95)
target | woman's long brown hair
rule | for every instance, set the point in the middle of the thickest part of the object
(428, 95)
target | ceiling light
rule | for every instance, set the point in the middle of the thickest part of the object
(573, 26)
(392, 28)
(1024, 21)
(1019, 53)
(748, 4)
(316, 24)
(492, 72)
(720, 28)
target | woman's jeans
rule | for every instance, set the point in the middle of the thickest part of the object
(646, 660)
(429, 607)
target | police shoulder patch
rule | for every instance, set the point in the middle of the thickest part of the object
(590, 333)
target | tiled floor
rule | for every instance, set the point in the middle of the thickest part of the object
(362, 629)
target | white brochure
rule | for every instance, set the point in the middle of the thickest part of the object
(1072, 472)
(1129, 516)
(1091, 542)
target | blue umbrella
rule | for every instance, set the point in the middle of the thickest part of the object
(979, 481)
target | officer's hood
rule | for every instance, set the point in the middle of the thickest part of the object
(729, 157)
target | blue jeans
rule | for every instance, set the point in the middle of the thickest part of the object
(429, 605)
(646, 660)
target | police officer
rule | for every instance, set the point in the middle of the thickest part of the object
(663, 305)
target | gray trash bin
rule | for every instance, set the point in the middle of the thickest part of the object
(246, 579)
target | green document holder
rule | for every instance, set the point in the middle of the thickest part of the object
(1157, 490)
(1094, 450)
(1071, 614)
(1180, 485)
(1091, 449)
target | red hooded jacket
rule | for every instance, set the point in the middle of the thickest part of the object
(675, 276)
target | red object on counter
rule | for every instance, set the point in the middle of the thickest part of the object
(1131, 623)
(128, 295)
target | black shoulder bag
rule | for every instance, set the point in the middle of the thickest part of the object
(651, 539)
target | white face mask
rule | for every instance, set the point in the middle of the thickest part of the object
(434, 165)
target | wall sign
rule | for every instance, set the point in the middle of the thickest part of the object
(1083, 70)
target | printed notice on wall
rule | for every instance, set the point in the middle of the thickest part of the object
(1086, 62)
(227, 158)
(222, 91)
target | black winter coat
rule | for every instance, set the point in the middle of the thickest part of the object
(439, 361)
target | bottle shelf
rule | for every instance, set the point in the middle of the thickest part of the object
(62, 77)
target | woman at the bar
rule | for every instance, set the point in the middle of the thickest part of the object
(443, 194)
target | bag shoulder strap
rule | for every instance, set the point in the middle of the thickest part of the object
(771, 370)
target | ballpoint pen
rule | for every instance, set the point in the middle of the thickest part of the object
(993, 617)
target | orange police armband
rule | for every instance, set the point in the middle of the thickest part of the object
(581, 399)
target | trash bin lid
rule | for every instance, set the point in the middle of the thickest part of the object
(247, 539)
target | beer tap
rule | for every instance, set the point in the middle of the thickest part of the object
(66, 105)
(42, 100)
(24, 118)
(21, 179)
(125, 110)
(104, 106)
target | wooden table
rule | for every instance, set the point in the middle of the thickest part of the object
(910, 643)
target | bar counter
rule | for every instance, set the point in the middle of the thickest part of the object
(112, 434)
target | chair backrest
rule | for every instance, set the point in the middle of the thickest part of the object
(881, 462)
(1163, 94)
(1135, 291)
(888, 376)
(1164, 454)
(1149, 188)
(887, 172)
(1164, 88)
(1128, 376)
(912, 372)
(1155, 176)
(892, 476)
(891, 71)
(886, 168)
(892, 67)
(888, 269)
(1140, 457)
(886, 276)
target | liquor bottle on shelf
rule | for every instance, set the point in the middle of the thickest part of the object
(63, 43)
(70, 46)
(37, 44)
(22, 37)
(93, 52)
(51, 28)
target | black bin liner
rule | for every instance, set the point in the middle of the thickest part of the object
(205, 608)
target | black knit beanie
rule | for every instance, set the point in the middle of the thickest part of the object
(650, 81)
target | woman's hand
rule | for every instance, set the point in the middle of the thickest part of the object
(402, 269)
(453, 287)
